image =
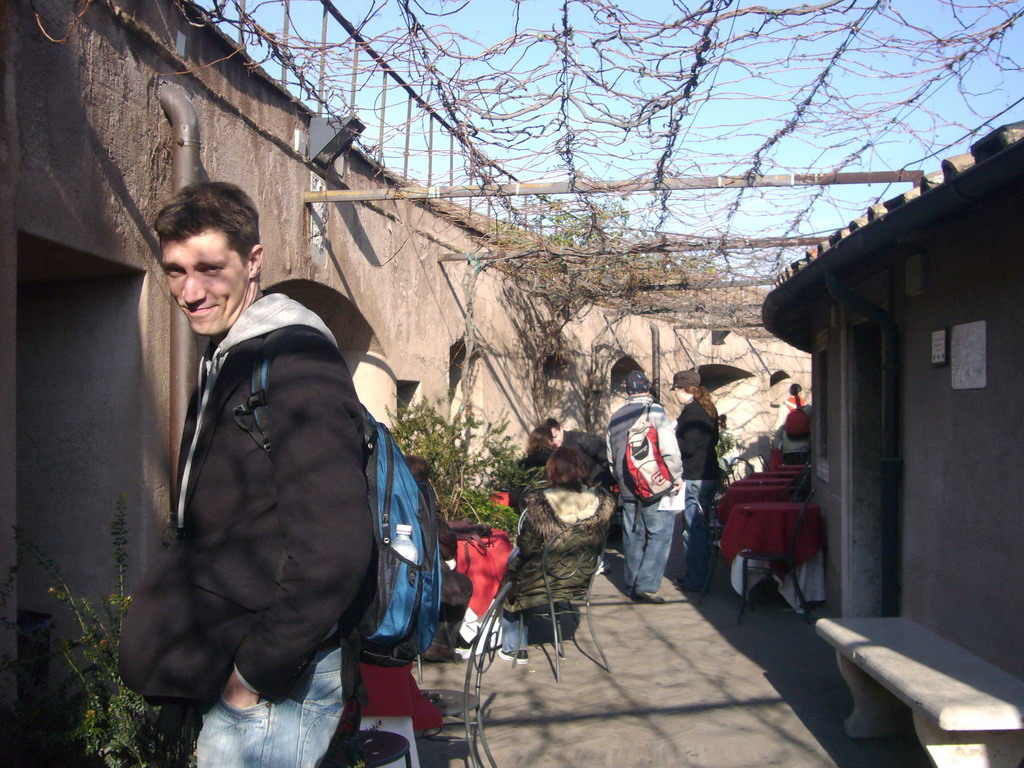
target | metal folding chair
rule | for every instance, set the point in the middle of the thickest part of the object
(571, 572)
(482, 654)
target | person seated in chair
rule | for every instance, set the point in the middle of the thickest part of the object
(456, 588)
(566, 509)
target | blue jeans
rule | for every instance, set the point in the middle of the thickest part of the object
(293, 733)
(646, 539)
(695, 532)
(511, 637)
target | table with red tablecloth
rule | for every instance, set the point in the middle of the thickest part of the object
(392, 692)
(769, 526)
(748, 492)
(396, 704)
(779, 474)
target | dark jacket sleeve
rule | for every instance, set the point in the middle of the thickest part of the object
(321, 508)
(595, 451)
(697, 434)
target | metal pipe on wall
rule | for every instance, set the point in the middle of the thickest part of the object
(186, 169)
(890, 462)
(655, 361)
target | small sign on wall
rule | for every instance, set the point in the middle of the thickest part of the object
(939, 356)
(967, 353)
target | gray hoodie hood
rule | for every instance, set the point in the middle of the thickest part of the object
(266, 314)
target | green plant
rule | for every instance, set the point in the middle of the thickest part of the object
(102, 717)
(726, 442)
(468, 459)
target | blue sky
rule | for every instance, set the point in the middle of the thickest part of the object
(758, 74)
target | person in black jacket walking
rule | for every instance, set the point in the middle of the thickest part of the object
(697, 434)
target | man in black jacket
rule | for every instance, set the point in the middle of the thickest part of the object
(241, 613)
(593, 448)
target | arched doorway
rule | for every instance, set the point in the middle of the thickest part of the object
(624, 366)
(737, 394)
(372, 375)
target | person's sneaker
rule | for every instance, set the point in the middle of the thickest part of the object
(520, 657)
(682, 586)
(647, 597)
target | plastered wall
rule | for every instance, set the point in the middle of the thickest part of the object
(962, 527)
(961, 570)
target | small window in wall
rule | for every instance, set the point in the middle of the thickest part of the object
(777, 377)
(406, 393)
(556, 367)
(715, 376)
(456, 361)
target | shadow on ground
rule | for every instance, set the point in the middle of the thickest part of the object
(689, 688)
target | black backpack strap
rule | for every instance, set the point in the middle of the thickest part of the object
(254, 415)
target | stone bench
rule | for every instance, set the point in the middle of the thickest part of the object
(966, 712)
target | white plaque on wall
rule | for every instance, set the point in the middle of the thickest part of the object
(967, 350)
(939, 347)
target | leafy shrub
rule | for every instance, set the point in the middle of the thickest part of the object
(88, 709)
(468, 460)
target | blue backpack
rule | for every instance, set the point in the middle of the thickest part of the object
(404, 596)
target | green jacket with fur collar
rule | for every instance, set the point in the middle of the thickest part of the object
(579, 521)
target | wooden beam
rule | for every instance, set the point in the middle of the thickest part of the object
(657, 246)
(611, 187)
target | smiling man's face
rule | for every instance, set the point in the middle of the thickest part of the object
(212, 283)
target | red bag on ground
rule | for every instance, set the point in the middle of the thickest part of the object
(775, 459)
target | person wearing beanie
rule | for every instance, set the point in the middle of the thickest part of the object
(646, 529)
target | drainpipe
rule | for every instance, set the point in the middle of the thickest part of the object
(655, 361)
(185, 169)
(890, 462)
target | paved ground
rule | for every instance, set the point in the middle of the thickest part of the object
(688, 688)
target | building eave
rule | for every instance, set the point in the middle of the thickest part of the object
(870, 243)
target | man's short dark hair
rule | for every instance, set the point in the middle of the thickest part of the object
(551, 423)
(210, 206)
(539, 441)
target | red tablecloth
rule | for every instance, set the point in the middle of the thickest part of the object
(501, 497)
(757, 481)
(775, 475)
(485, 564)
(393, 693)
(769, 527)
(750, 493)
